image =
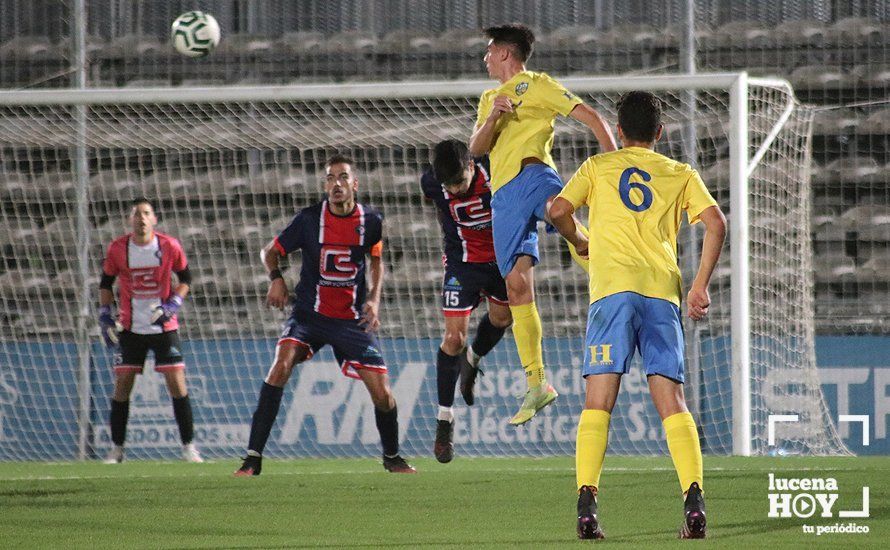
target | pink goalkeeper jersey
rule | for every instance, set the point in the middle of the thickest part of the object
(144, 279)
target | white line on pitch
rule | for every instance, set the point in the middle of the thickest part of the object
(366, 472)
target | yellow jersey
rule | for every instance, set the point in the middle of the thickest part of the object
(636, 199)
(528, 130)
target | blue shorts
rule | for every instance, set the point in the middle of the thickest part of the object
(354, 349)
(465, 285)
(516, 209)
(619, 324)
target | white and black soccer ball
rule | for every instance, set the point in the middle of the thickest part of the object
(195, 33)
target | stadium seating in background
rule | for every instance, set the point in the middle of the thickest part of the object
(461, 40)
(136, 46)
(29, 48)
(24, 287)
(420, 276)
(877, 123)
(246, 44)
(835, 267)
(303, 42)
(394, 179)
(406, 41)
(119, 188)
(93, 45)
(856, 31)
(352, 42)
(16, 187)
(832, 63)
(837, 122)
(740, 34)
(872, 76)
(800, 33)
(844, 170)
(147, 83)
(820, 77)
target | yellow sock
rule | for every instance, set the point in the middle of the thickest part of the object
(583, 262)
(682, 440)
(527, 332)
(590, 446)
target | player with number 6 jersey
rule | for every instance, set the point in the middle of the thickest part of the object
(460, 187)
(331, 306)
(636, 199)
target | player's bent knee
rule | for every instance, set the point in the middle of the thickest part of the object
(279, 374)
(384, 402)
(454, 342)
(287, 356)
(501, 320)
(382, 397)
(516, 283)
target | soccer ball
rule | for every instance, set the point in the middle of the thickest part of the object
(195, 33)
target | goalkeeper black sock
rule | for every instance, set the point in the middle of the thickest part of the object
(182, 410)
(447, 370)
(120, 412)
(264, 417)
(487, 336)
(388, 426)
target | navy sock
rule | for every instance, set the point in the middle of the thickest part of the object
(182, 410)
(120, 412)
(447, 370)
(487, 336)
(388, 426)
(264, 417)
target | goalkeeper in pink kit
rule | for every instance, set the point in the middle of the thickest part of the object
(142, 262)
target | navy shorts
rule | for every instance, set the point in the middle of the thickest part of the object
(619, 324)
(465, 284)
(134, 349)
(354, 349)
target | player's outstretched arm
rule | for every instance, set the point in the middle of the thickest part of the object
(591, 118)
(698, 299)
(562, 217)
(277, 295)
(483, 136)
(371, 310)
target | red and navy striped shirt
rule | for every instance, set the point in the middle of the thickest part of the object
(332, 278)
(465, 219)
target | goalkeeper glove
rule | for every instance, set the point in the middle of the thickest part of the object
(167, 310)
(108, 326)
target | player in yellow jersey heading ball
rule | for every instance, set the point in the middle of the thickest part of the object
(636, 199)
(514, 125)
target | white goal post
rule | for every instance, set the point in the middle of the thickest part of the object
(753, 357)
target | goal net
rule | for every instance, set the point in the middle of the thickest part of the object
(227, 168)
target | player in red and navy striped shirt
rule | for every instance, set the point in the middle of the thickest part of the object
(331, 306)
(460, 188)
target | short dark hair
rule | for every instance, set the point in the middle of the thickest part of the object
(450, 158)
(516, 35)
(141, 200)
(338, 159)
(639, 115)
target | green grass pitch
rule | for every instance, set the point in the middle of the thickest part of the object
(470, 503)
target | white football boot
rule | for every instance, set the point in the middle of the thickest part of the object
(190, 453)
(115, 456)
